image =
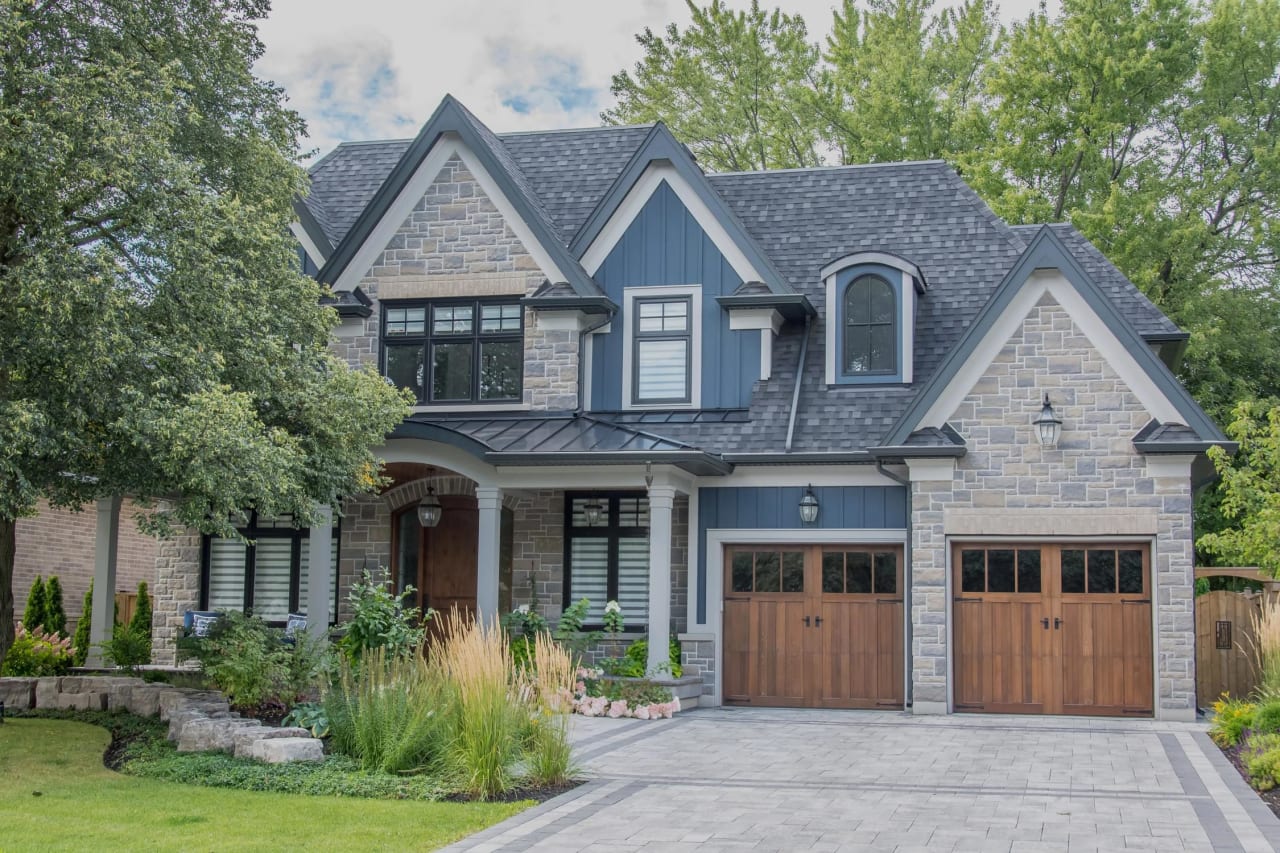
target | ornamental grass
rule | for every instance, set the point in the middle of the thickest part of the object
(1266, 645)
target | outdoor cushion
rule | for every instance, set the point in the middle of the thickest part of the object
(198, 623)
(295, 623)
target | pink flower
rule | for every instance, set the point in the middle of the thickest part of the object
(580, 687)
(618, 708)
(642, 713)
(674, 703)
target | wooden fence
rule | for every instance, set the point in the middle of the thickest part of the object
(1225, 652)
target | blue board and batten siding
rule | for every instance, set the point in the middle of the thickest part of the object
(666, 246)
(778, 508)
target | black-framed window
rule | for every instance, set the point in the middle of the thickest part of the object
(662, 350)
(265, 576)
(870, 344)
(609, 560)
(455, 351)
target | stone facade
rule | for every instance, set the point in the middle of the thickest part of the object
(456, 243)
(365, 545)
(177, 590)
(60, 542)
(1094, 467)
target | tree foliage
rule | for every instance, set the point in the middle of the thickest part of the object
(55, 611)
(158, 337)
(1250, 491)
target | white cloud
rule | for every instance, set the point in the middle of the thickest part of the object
(377, 68)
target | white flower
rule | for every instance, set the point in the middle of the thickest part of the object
(523, 608)
(613, 607)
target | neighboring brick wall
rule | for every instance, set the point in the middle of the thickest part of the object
(60, 542)
(456, 243)
(1093, 466)
(177, 590)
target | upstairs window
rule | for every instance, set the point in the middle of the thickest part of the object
(870, 327)
(451, 351)
(662, 355)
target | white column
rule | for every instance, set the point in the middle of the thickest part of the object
(489, 502)
(661, 500)
(320, 570)
(105, 541)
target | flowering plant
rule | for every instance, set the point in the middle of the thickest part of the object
(35, 653)
(613, 621)
(595, 697)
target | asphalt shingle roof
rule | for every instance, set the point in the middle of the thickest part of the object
(802, 219)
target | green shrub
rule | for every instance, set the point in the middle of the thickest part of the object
(35, 654)
(637, 655)
(525, 622)
(548, 752)
(1231, 718)
(251, 662)
(33, 612)
(1261, 758)
(623, 667)
(55, 613)
(83, 628)
(310, 716)
(1266, 717)
(380, 620)
(127, 649)
(140, 624)
(388, 713)
(569, 632)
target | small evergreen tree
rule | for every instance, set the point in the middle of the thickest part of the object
(55, 613)
(83, 627)
(140, 625)
(33, 613)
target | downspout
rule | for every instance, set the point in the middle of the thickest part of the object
(907, 698)
(795, 392)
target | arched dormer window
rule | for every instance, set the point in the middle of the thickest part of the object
(870, 318)
(870, 328)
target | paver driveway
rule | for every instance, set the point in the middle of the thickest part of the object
(762, 780)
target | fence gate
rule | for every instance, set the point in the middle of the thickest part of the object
(1224, 637)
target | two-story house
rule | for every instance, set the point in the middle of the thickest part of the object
(850, 437)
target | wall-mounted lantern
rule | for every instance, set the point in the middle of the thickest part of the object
(1048, 425)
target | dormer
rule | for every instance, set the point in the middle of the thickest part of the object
(870, 318)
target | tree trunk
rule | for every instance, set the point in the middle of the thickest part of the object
(8, 550)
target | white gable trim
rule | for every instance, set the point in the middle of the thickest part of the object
(1058, 287)
(308, 245)
(445, 148)
(634, 202)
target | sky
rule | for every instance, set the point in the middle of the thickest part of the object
(376, 69)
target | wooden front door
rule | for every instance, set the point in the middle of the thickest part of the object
(813, 626)
(1053, 629)
(439, 562)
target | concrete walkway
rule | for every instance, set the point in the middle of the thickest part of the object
(776, 780)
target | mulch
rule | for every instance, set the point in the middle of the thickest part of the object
(1272, 797)
(515, 795)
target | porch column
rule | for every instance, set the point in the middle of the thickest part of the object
(103, 614)
(489, 502)
(661, 500)
(320, 572)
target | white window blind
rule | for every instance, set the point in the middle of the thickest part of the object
(590, 577)
(226, 574)
(662, 370)
(273, 560)
(633, 579)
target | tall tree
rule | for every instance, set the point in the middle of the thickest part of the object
(904, 83)
(158, 338)
(733, 85)
(1251, 491)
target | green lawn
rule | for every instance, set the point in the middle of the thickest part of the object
(81, 805)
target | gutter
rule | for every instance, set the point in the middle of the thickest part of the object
(582, 360)
(795, 393)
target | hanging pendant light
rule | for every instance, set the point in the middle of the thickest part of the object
(592, 511)
(429, 509)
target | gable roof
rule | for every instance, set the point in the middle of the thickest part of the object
(452, 117)
(1047, 250)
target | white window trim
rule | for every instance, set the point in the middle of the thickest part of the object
(446, 147)
(906, 319)
(629, 295)
(308, 245)
(653, 177)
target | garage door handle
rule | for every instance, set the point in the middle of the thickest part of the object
(806, 621)
(1045, 623)
(817, 621)
(1057, 623)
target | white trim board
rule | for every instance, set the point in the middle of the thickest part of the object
(717, 538)
(423, 177)
(629, 296)
(626, 212)
(1060, 289)
(906, 318)
(308, 245)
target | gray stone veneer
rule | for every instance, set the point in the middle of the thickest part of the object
(1093, 466)
(456, 243)
(177, 590)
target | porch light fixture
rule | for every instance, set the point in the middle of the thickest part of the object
(809, 506)
(429, 509)
(592, 510)
(1048, 425)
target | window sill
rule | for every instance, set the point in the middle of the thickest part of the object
(472, 407)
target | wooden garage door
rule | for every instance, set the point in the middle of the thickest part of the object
(1053, 629)
(813, 626)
